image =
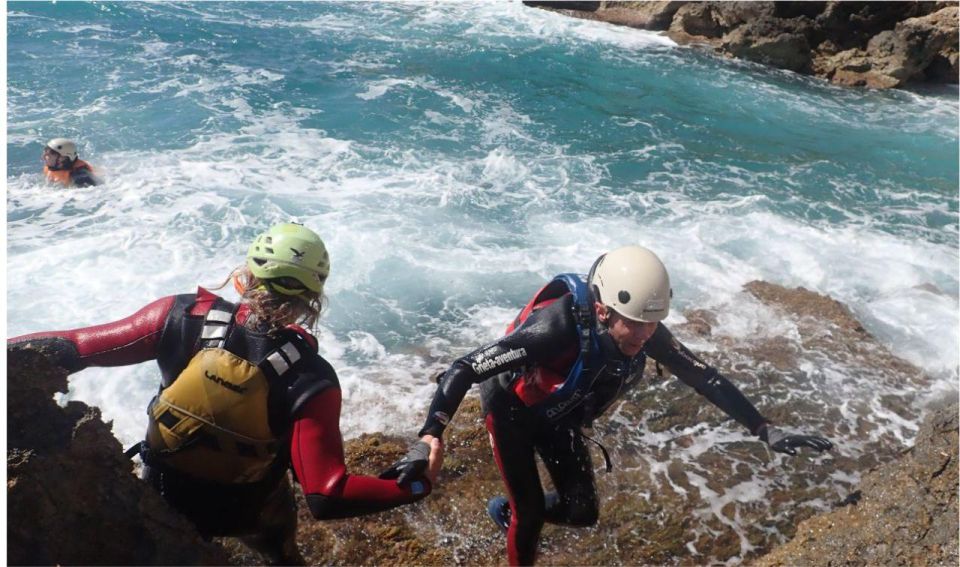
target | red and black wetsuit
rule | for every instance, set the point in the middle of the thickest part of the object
(303, 407)
(519, 371)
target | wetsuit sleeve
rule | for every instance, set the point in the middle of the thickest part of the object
(310, 381)
(670, 353)
(316, 451)
(127, 341)
(83, 178)
(545, 333)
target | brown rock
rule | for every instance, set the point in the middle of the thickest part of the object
(729, 15)
(888, 45)
(829, 326)
(873, 44)
(71, 495)
(781, 43)
(644, 15)
(696, 20)
(906, 513)
(708, 22)
(853, 68)
(929, 38)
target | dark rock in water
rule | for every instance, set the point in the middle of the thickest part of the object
(906, 513)
(71, 496)
(570, 5)
(873, 44)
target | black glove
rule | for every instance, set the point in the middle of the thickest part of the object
(412, 466)
(783, 442)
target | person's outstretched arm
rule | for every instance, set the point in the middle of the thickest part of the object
(316, 451)
(708, 382)
(545, 333)
(670, 353)
(130, 340)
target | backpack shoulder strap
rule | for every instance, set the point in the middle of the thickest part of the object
(280, 360)
(582, 311)
(216, 323)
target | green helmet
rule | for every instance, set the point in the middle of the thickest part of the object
(289, 250)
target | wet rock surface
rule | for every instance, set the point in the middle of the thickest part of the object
(71, 495)
(905, 512)
(689, 486)
(872, 44)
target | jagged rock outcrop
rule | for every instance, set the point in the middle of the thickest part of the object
(905, 512)
(873, 44)
(71, 496)
(916, 49)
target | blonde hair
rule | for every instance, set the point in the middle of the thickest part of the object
(270, 310)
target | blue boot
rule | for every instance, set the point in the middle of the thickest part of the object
(498, 508)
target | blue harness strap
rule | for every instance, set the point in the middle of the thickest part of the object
(580, 378)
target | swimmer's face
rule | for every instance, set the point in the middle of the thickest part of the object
(54, 160)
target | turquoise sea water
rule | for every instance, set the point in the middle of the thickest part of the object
(453, 156)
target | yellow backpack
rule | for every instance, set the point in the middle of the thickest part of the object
(212, 421)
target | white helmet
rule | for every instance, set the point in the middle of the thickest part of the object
(66, 148)
(633, 282)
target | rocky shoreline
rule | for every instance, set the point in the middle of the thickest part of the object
(72, 497)
(904, 513)
(871, 44)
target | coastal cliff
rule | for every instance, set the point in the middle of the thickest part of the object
(872, 44)
(673, 497)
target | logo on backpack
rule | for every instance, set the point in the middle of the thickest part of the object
(228, 385)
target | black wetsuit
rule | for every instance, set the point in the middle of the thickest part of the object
(508, 369)
(83, 178)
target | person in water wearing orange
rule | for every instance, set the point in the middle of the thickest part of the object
(61, 165)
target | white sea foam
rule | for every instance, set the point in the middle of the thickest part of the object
(377, 89)
(328, 23)
(493, 21)
(711, 252)
(82, 28)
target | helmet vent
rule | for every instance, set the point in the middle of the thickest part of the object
(268, 240)
(259, 261)
(624, 296)
(269, 250)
